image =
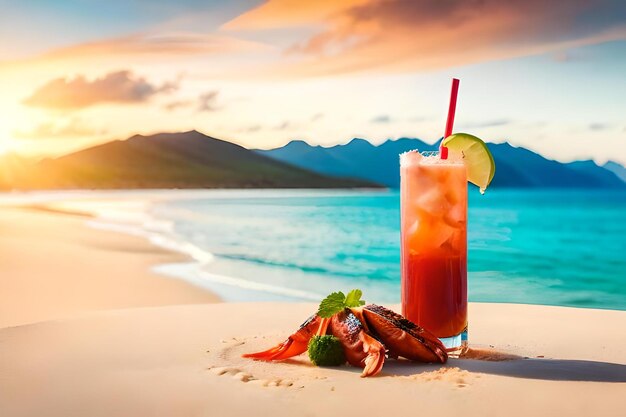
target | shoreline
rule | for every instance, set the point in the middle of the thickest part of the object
(87, 327)
(142, 214)
(191, 269)
(111, 213)
(53, 265)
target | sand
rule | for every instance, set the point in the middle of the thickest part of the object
(53, 265)
(95, 333)
(185, 361)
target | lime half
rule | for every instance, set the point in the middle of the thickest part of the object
(479, 161)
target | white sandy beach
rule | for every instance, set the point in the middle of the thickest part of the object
(185, 360)
(52, 265)
(88, 330)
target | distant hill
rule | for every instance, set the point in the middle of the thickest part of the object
(358, 158)
(519, 167)
(616, 169)
(169, 160)
(515, 167)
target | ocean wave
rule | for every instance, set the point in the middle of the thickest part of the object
(377, 274)
(269, 262)
(195, 274)
(244, 248)
(158, 239)
(136, 221)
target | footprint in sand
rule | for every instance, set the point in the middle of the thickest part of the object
(272, 383)
(224, 370)
(242, 376)
(453, 375)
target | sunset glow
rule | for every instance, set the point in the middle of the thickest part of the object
(548, 75)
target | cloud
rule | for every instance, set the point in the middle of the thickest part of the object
(73, 129)
(158, 45)
(79, 92)
(289, 14)
(487, 123)
(206, 101)
(210, 53)
(177, 104)
(284, 126)
(598, 126)
(317, 116)
(250, 129)
(35, 26)
(405, 35)
(383, 118)
(564, 56)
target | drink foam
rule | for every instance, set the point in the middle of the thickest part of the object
(415, 157)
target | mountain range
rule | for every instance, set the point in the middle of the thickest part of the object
(617, 169)
(515, 167)
(194, 160)
(165, 160)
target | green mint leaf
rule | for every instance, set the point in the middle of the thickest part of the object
(353, 299)
(337, 301)
(331, 305)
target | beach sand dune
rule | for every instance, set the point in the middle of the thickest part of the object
(185, 360)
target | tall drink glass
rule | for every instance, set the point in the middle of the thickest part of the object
(433, 198)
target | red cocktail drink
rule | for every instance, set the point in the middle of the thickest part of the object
(434, 245)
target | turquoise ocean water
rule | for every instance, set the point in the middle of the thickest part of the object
(554, 247)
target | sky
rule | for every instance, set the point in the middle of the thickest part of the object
(548, 76)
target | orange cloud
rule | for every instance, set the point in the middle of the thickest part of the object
(177, 104)
(206, 101)
(159, 48)
(424, 34)
(146, 44)
(73, 129)
(290, 13)
(79, 92)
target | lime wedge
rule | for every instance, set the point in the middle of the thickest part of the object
(479, 161)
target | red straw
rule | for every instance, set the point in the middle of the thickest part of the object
(443, 151)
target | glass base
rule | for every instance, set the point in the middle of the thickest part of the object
(456, 345)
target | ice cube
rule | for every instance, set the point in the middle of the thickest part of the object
(440, 233)
(412, 235)
(417, 182)
(455, 242)
(427, 234)
(453, 196)
(432, 201)
(455, 216)
(413, 228)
